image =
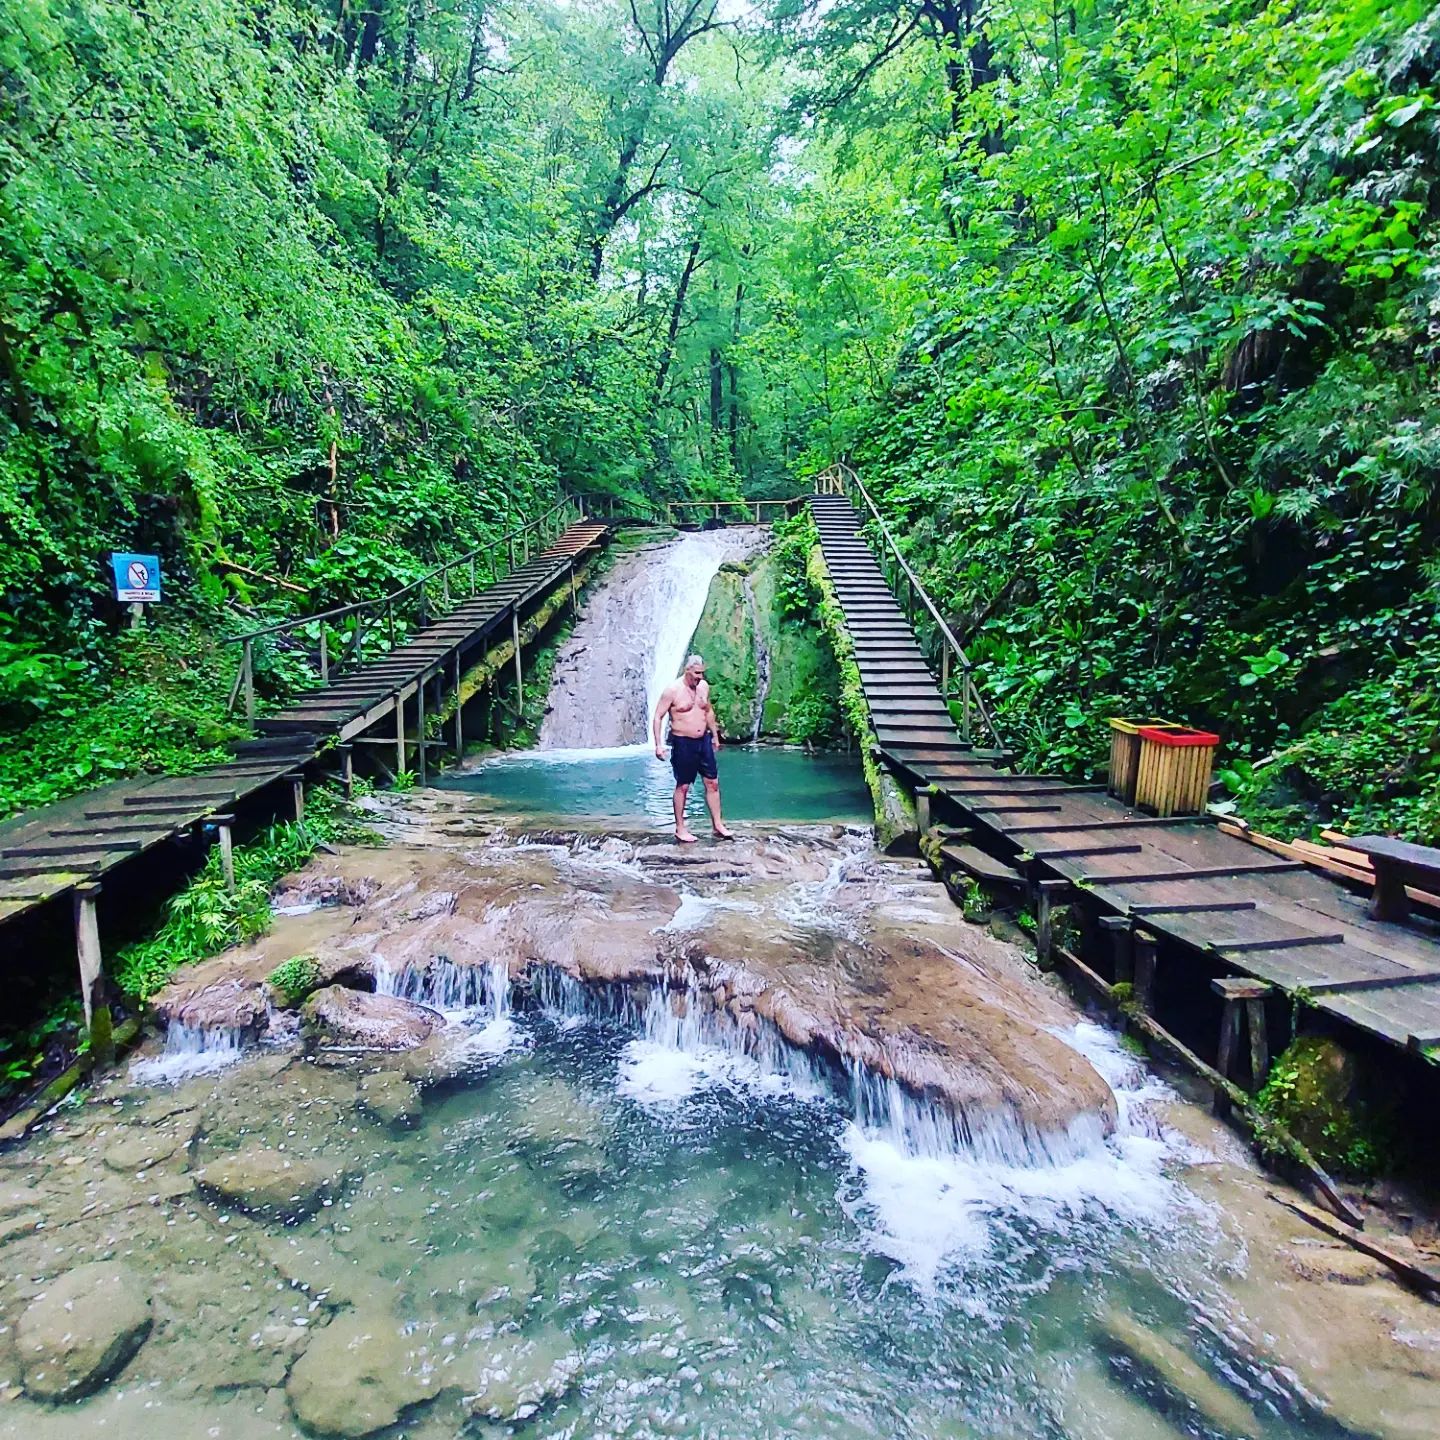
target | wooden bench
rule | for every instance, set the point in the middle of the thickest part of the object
(1397, 864)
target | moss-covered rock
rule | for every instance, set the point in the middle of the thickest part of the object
(294, 979)
(802, 701)
(1318, 1090)
(726, 638)
(752, 639)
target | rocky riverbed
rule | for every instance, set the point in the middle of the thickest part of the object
(403, 1206)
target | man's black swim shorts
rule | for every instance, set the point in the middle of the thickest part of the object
(691, 756)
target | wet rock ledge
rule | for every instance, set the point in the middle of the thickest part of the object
(841, 954)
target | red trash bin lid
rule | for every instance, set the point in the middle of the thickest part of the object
(1178, 737)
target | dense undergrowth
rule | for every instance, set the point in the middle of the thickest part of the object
(1161, 429)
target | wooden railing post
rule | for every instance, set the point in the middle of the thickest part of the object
(390, 624)
(459, 709)
(92, 973)
(519, 670)
(247, 664)
(324, 655)
(1048, 893)
(225, 834)
(472, 574)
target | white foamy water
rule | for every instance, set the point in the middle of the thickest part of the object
(190, 1050)
(686, 1048)
(936, 1202)
(695, 910)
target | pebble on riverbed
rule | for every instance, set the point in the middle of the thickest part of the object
(358, 1375)
(272, 1183)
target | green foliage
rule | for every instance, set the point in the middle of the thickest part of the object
(23, 1053)
(306, 316)
(1136, 350)
(293, 979)
(1128, 321)
(1316, 1091)
(159, 708)
(207, 917)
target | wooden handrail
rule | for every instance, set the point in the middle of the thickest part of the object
(841, 479)
(668, 511)
(565, 508)
(356, 607)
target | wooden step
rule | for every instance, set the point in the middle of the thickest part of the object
(975, 863)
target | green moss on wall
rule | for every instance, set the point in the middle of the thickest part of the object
(802, 703)
(1317, 1090)
(800, 679)
(726, 638)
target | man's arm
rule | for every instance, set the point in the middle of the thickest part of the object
(712, 721)
(667, 699)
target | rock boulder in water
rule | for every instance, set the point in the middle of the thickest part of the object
(82, 1331)
(273, 1183)
(337, 1016)
(357, 1376)
(390, 1099)
(235, 1002)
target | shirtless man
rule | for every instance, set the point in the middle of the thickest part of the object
(694, 739)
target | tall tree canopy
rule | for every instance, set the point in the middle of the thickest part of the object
(1127, 310)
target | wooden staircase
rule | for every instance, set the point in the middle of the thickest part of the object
(913, 723)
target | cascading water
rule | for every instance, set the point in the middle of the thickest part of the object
(192, 1050)
(460, 990)
(632, 639)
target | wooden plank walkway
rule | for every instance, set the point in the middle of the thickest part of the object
(1247, 912)
(355, 702)
(46, 853)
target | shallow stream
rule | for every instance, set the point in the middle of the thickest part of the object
(626, 785)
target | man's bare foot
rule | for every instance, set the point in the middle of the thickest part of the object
(685, 837)
(723, 833)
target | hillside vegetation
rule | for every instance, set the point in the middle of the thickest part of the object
(1127, 313)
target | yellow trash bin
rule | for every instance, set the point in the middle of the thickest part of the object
(1125, 751)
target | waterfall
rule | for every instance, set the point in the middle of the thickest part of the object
(473, 990)
(631, 641)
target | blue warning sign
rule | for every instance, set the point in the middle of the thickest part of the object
(137, 578)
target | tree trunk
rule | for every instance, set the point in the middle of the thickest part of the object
(662, 373)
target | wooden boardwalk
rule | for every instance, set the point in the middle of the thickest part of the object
(71, 846)
(47, 853)
(1246, 912)
(358, 701)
